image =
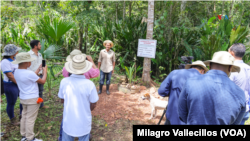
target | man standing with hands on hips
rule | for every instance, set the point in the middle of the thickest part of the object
(36, 46)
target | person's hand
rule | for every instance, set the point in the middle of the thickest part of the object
(113, 71)
(89, 58)
(45, 69)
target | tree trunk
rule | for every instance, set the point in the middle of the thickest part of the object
(147, 61)
(86, 35)
(80, 36)
(124, 9)
(183, 5)
(231, 10)
(222, 8)
(130, 8)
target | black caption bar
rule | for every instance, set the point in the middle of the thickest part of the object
(163, 132)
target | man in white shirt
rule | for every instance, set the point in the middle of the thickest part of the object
(79, 96)
(27, 83)
(242, 79)
(36, 46)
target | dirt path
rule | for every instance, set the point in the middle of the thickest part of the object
(118, 105)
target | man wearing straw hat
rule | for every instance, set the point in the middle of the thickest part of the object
(241, 79)
(79, 96)
(173, 85)
(106, 62)
(212, 98)
(29, 93)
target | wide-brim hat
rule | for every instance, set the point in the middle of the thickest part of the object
(223, 58)
(197, 63)
(78, 65)
(10, 50)
(72, 54)
(23, 57)
(108, 41)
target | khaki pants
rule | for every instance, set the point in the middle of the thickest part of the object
(29, 115)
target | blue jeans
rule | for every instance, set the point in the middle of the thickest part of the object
(105, 75)
(12, 92)
(245, 118)
(66, 137)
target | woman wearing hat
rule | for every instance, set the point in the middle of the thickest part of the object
(10, 87)
(106, 62)
(92, 73)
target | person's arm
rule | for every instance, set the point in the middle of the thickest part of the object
(43, 80)
(38, 70)
(11, 76)
(182, 105)
(240, 116)
(62, 100)
(113, 59)
(92, 106)
(99, 60)
(165, 86)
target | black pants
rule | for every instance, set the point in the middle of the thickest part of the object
(40, 87)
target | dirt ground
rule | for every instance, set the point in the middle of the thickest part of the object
(118, 105)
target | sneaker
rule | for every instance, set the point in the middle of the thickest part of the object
(24, 139)
(35, 139)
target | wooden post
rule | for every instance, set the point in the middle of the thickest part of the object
(150, 25)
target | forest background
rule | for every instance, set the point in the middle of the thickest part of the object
(181, 28)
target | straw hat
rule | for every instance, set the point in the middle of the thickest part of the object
(73, 53)
(197, 63)
(108, 41)
(223, 58)
(10, 50)
(78, 65)
(23, 57)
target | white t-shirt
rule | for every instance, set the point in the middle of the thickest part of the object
(7, 66)
(26, 82)
(77, 92)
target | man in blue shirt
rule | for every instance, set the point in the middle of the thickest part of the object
(241, 79)
(213, 99)
(173, 85)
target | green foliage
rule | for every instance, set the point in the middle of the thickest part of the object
(51, 52)
(129, 72)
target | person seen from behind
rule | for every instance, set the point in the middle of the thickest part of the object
(173, 85)
(242, 79)
(212, 98)
(29, 94)
(79, 96)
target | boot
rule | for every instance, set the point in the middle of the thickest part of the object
(20, 117)
(14, 122)
(107, 89)
(100, 89)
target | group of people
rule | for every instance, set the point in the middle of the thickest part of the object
(24, 77)
(219, 96)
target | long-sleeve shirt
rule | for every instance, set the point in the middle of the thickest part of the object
(172, 86)
(242, 79)
(92, 73)
(211, 99)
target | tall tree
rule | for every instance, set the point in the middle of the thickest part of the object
(150, 24)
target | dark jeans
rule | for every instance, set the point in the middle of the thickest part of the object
(105, 75)
(167, 122)
(12, 92)
(40, 87)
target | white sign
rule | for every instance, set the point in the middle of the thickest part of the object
(146, 48)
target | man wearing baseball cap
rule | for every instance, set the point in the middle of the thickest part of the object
(173, 85)
(212, 98)
(29, 93)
